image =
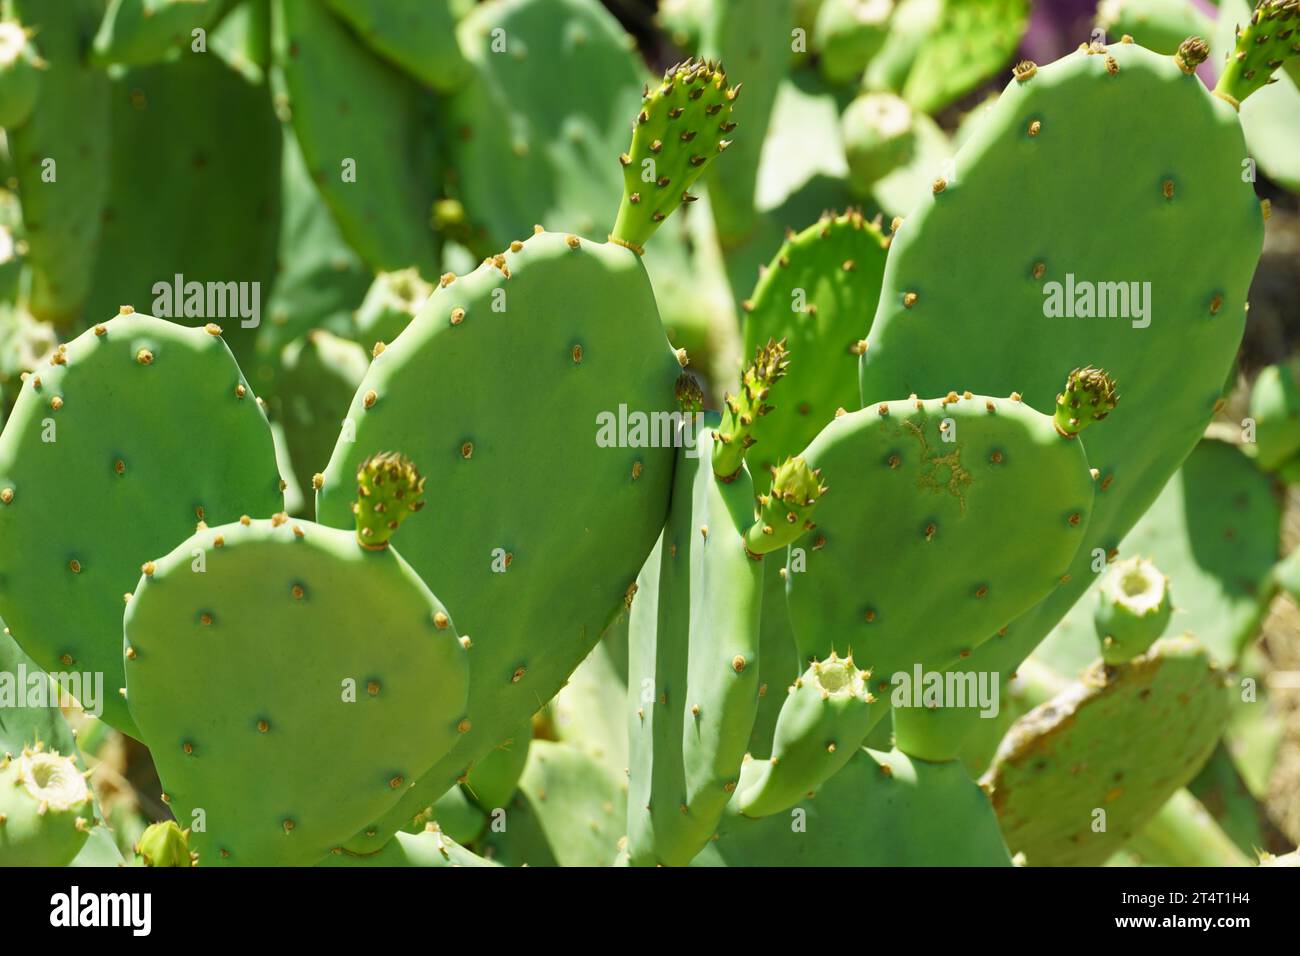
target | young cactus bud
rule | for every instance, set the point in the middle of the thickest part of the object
(165, 844)
(20, 74)
(734, 434)
(690, 397)
(1133, 610)
(822, 723)
(879, 134)
(1270, 39)
(682, 126)
(786, 512)
(388, 490)
(1089, 397)
(1191, 53)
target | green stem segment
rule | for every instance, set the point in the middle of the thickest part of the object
(388, 491)
(786, 513)
(682, 126)
(733, 436)
(1270, 39)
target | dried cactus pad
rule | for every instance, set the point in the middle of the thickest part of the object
(292, 690)
(1059, 764)
(154, 429)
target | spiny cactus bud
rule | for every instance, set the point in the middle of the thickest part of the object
(1089, 397)
(682, 126)
(690, 397)
(1270, 39)
(786, 512)
(1192, 52)
(1133, 609)
(165, 844)
(734, 435)
(388, 490)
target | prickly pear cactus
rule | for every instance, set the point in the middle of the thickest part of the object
(45, 808)
(942, 282)
(1065, 795)
(93, 440)
(420, 38)
(247, 765)
(1133, 609)
(141, 32)
(20, 74)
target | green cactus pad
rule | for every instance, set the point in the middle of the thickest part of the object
(232, 739)
(1133, 609)
(61, 159)
(882, 809)
(46, 809)
(119, 482)
(1214, 532)
(812, 296)
(1275, 409)
(569, 811)
(141, 32)
(455, 815)
(692, 664)
(428, 848)
(365, 133)
(20, 74)
(165, 844)
(590, 712)
(418, 36)
(1038, 144)
(826, 714)
(785, 512)
(1058, 766)
(505, 543)
(684, 123)
(393, 300)
(1159, 25)
(530, 143)
(494, 777)
(733, 436)
(1270, 39)
(961, 516)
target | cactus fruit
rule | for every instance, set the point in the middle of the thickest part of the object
(785, 512)
(826, 714)
(45, 809)
(20, 74)
(1058, 768)
(141, 32)
(541, 309)
(165, 844)
(882, 809)
(364, 135)
(847, 34)
(812, 297)
(89, 442)
(940, 283)
(879, 136)
(249, 761)
(419, 38)
(1133, 609)
(683, 125)
(1263, 45)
